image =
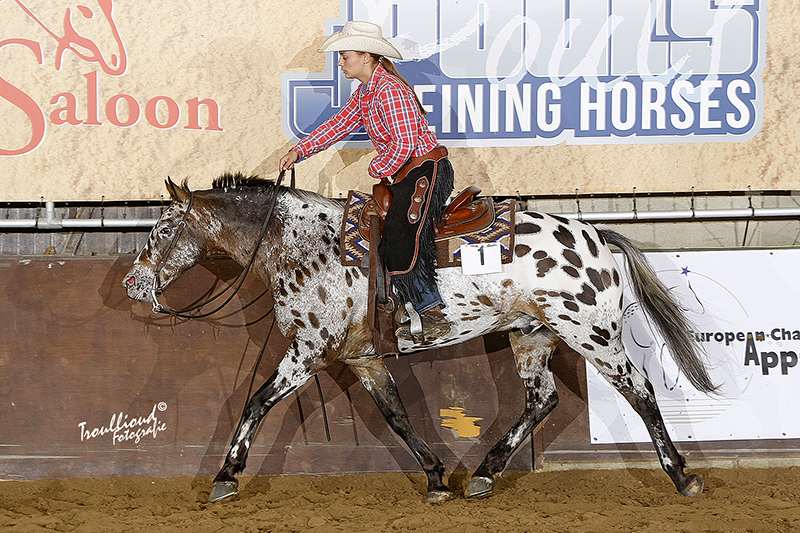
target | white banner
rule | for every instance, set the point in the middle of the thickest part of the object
(745, 306)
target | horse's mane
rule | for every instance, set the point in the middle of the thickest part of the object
(239, 181)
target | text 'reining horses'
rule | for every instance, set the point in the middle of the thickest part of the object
(562, 286)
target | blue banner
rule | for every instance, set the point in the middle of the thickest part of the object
(543, 72)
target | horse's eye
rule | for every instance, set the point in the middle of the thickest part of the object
(165, 231)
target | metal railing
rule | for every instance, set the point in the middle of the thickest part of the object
(50, 222)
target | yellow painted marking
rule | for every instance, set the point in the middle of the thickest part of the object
(455, 419)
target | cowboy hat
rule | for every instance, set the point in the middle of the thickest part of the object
(360, 36)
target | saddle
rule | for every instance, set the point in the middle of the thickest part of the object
(462, 216)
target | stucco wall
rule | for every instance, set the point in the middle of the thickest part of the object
(232, 56)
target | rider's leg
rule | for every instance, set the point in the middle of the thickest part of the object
(427, 296)
(409, 251)
(428, 304)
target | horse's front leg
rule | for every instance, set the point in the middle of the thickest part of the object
(379, 382)
(291, 374)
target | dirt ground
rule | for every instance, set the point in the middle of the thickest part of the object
(735, 500)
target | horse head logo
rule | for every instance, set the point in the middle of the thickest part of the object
(89, 32)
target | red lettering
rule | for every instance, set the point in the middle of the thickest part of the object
(24, 102)
(134, 110)
(67, 114)
(92, 97)
(173, 112)
(194, 114)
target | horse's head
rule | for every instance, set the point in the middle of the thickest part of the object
(174, 246)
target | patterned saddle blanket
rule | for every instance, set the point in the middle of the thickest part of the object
(499, 228)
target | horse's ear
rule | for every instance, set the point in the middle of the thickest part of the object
(175, 192)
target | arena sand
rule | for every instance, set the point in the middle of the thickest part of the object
(735, 500)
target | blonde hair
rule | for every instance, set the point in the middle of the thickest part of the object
(391, 69)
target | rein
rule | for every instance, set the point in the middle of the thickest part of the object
(238, 280)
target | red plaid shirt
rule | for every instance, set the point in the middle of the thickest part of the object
(388, 111)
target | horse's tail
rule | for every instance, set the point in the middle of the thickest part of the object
(669, 318)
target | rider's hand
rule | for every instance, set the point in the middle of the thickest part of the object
(288, 161)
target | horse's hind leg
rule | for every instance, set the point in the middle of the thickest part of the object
(379, 382)
(614, 365)
(532, 354)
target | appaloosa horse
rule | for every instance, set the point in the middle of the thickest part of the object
(562, 286)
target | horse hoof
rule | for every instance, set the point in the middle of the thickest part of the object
(694, 487)
(479, 487)
(223, 490)
(439, 496)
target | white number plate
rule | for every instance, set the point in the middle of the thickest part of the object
(481, 258)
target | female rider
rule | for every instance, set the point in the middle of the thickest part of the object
(392, 115)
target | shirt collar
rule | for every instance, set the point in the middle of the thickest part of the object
(377, 74)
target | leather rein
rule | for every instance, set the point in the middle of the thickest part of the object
(188, 312)
(238, 280)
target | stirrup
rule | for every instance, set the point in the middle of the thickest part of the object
(429, 328)
(415, 326)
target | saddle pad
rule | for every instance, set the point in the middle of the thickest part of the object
(354, 246)
(501, 231)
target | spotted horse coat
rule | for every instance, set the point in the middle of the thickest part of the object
(562, 286)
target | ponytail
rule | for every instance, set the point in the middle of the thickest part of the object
(389, 67)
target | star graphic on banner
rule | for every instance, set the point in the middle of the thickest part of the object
(685, 271)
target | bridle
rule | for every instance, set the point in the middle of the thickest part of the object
(238, 281)
(155, 290)
(188, 312)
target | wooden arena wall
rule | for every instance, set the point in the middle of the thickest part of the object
(93, 384)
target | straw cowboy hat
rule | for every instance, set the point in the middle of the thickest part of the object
(360, 36)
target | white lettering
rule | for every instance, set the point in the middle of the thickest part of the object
(447, 109)
(519, 106)
(470, 106)
(543, 107)
(421, 90)
(494, 108)
(630, 105)
(652, 105)
(707, 104)
(123, 428)
(733, 97)
(598, 106)
(677, 97)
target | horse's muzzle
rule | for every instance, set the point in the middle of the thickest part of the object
(137, 285)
